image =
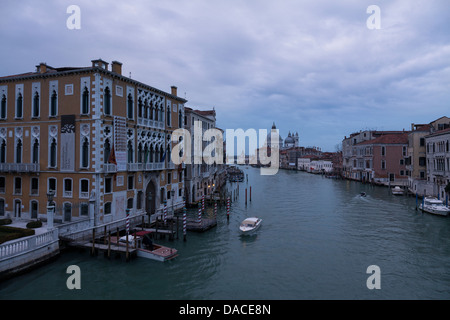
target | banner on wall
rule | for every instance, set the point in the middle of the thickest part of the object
(68, 142)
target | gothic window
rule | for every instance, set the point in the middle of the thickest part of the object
(107, 152)
(19, 106)
(107, 107)
(140, 108)
(130, 107)
(130, 152)
(52, 158)
(35, 153)
(36, 105)
(3, 108)
(85, 153)
(169, 118)
(19, 151)
(85, 101)
(53, 104)
(3, 151)
(140, 154)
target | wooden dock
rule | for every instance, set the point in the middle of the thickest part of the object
(107, 248)
(204, 225)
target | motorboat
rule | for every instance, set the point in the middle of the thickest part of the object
(250, 225)
(145, 248)
(434, 206)
(398, 191)
(362, 194)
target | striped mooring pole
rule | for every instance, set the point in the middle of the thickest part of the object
(184, 219)
(165, 212)
(228, 208)
(203, 203)
(215, 209)
(128, 221)
(200, 213)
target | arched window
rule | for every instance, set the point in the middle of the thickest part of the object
(169, 118)
(107, 152)
(150, 116)
(156, 113)
(35, 154)
(36, 105)
(130, 152)
(52, 158)
(85, 101)
(140, 108)
(145, 107)
(85, 153)
(130, 107)
(145, 154)
(19, 151)
(3, 108)
(19, 106)
(53, 104)
(3, 151)
(107, 108)
(152, 156)
(140, 154)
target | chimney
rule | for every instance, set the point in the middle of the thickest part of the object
(100, 63)
(116, 67)
(42, 67)
(174, 90)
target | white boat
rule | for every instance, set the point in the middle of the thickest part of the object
(397, 191)
(250, 225)
(434, 206)
(147, 249)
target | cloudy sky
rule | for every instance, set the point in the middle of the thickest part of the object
(312, 67)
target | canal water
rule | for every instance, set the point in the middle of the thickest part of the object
(317, 240)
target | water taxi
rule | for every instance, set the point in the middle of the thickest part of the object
(250, 225)
(434, 206)
(398, 191)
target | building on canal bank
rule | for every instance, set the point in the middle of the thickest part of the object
(438, 163)
(96, 139)
(201, 179)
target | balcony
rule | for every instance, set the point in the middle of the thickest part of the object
(150, 123)
(109, 168)
(145, 166)
(19, 167)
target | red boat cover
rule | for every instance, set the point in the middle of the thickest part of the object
(142, 233)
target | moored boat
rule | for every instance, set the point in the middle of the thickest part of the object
(147, 249)
(398, 191)
(434, 206)
(250, 225)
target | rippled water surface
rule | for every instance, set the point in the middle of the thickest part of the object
(317, 239)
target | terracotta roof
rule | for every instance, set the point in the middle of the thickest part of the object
(401, 138)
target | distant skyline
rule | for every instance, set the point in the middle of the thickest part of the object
(312, 67)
